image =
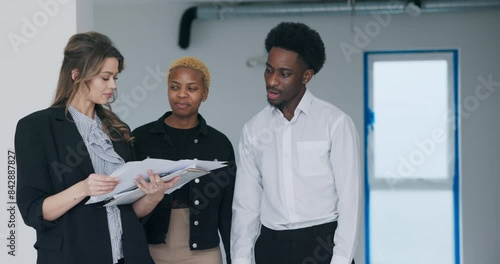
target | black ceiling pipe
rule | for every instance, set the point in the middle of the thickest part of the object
(185, 28)
(317, 8)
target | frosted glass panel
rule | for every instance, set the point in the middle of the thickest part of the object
(411, 227)
(410, 102)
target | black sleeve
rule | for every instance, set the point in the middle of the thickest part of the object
(225, 209)
(33, 177)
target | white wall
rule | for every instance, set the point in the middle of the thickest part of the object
(33, 35)
(147, 34)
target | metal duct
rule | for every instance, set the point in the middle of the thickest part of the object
(221, 12)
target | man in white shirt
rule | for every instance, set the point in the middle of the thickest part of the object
(299, 174)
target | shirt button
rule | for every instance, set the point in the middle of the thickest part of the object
(195, 141)
(197, 180)
(195, 245)
(196, 223)
(196, 202)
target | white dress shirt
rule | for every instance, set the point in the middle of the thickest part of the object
(295, 174)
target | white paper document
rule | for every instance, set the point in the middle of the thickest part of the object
(127, 192)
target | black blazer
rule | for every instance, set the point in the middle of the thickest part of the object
(212, 213)
(51, 156)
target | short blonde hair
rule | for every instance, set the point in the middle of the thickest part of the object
(191, 63)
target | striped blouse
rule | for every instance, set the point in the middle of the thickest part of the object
(105, 161)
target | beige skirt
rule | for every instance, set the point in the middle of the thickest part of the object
(176, 248)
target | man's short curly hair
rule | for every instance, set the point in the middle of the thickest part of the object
(299, 38)
(192, 63)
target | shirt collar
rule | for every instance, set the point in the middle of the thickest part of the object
(306, 102)
(303, 106)
(84, 121)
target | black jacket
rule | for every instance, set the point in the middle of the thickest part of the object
(51, 156)
(214, 192)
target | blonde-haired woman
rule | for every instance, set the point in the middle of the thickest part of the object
(65, 154)
(185, 226)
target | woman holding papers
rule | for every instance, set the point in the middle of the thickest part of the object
(185, 226)
(65, 154)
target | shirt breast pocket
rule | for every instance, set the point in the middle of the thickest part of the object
(313, 157)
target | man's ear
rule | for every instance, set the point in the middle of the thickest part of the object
(307, 76)
(74, 74)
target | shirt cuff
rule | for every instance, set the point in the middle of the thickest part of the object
(241, 261)
(340, 260)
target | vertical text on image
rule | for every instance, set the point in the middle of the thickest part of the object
(11, 202)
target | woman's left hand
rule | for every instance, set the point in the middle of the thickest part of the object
(156, 187)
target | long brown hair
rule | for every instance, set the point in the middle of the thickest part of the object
(85, 53)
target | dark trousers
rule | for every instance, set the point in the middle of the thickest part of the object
(311, 245)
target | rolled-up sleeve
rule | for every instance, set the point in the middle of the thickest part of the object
(33, 178)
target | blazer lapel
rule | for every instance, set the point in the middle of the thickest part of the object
(73, 153)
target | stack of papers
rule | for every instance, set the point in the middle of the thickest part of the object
(127, 192)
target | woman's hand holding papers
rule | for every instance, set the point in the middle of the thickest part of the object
(154, 189)
(98, 184)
